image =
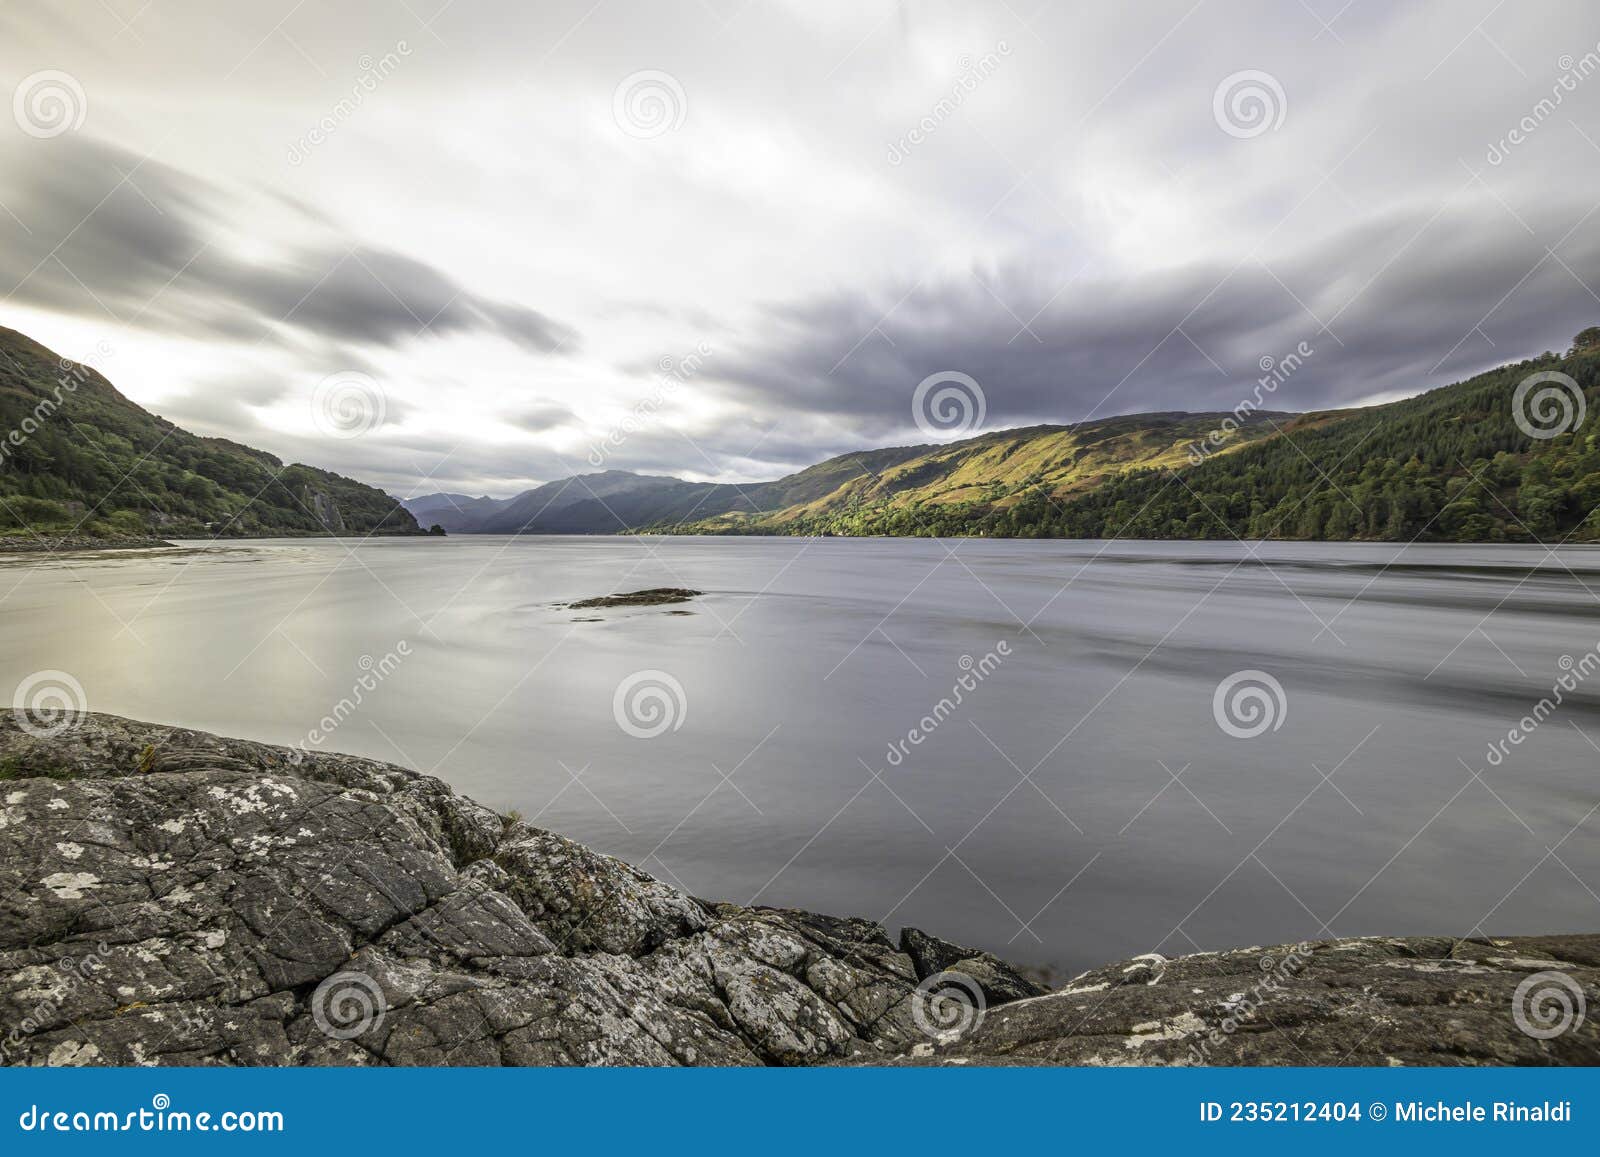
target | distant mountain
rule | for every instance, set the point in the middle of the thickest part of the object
(546, 509)
(457, 513)
(1062, 458)
(75, 455)
(539, 511)
(1454, 464)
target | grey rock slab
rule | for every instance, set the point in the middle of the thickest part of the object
(173, 897)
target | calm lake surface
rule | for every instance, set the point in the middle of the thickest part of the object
(1038, 817)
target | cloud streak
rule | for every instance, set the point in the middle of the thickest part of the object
(1081, 234)
(1397, 304)
(104, 234)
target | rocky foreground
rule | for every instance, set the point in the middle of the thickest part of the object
(171, 897)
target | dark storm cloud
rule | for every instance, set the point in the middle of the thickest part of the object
(97, 232)
(380, 297)
(1402, 303)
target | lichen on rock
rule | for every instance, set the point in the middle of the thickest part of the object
(173, 897)
(237, 905)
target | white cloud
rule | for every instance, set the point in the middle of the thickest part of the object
(1082, 188)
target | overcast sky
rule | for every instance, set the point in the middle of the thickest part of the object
(453, 245)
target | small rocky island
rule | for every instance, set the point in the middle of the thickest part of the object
(653, 597)
(172, 897)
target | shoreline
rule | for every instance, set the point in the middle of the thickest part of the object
(231, 897)
(81, 543)
(1527, 544)
(77, 543)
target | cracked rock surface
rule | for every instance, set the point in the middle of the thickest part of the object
(1363, 1001)
(172, 897)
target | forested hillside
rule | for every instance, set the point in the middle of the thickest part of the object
(945, 489)
(1449, 465)
(75, 455)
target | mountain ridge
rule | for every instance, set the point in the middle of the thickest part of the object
(616, 501)
(1464, 462)
(77, 457)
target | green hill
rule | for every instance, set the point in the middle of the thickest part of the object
(889, 491)
(961, 487)
(75, 455)
(1450, 465)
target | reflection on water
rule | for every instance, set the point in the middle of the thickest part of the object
(1076, 803)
